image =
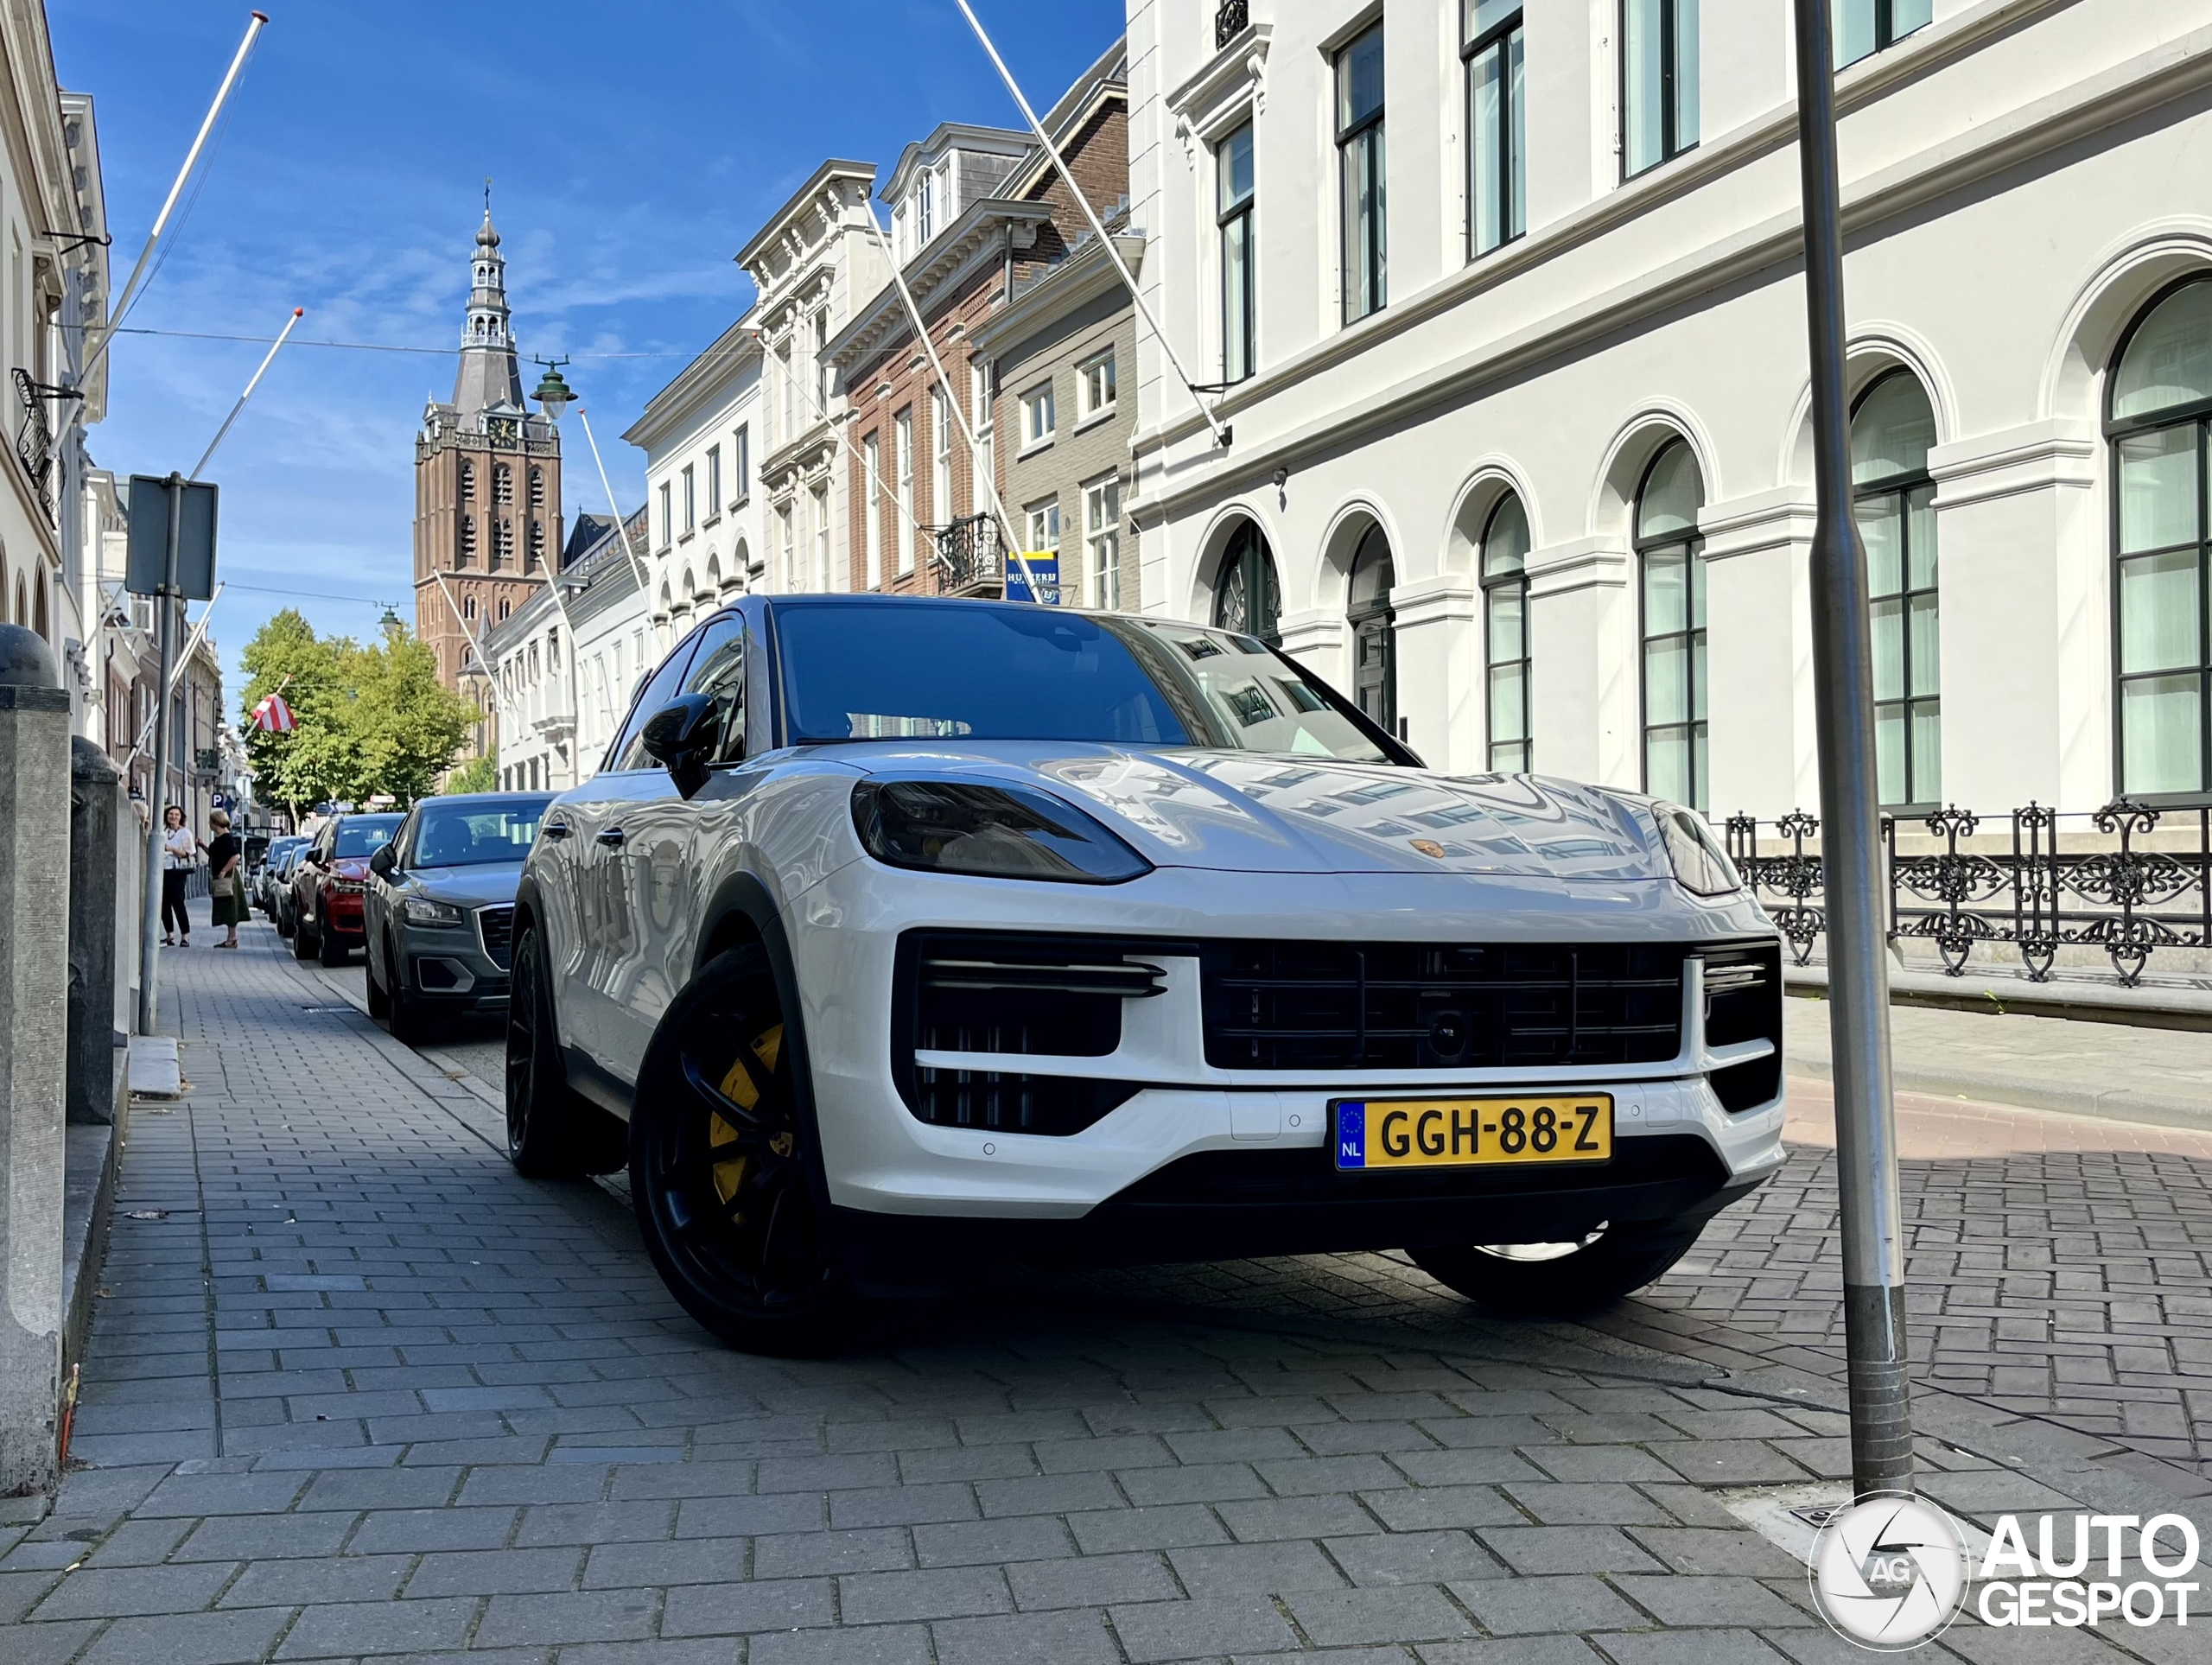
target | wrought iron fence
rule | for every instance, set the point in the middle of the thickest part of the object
(1228, 20)
(35, 439)
(2131, 880)
(970, 551)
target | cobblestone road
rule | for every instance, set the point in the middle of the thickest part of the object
(2061, 1266)
(356, 1390)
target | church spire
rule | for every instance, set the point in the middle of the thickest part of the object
(489, 374)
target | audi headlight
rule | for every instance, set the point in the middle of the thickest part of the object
(993, 832)
(1700, 864)
(421, 911)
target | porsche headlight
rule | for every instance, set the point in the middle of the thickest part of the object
(1700, 864)
(994, 832)
(421, 911)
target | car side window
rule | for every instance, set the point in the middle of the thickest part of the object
(628, 751)
(718, 671)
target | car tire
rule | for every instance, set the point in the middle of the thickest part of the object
(1560, 1280)
(305, 943)
(330, 949)
(283, 918)
(379, 996)
(553, 1131)
(410, 1024)
(738, 1238)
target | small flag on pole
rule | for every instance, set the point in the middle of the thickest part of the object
(273, 714)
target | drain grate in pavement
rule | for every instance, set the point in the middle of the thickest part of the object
(340, 1007)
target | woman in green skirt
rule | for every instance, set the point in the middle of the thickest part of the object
(226, 876)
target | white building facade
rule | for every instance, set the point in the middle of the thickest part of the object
(1511, 305)
(533, 694)
(702, 435)
(604, 584)
(816, 256)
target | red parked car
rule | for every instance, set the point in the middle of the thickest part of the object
(328, 882)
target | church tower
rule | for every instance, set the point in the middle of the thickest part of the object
(487, 489)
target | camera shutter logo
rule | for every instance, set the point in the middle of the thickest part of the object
(1890, 1571)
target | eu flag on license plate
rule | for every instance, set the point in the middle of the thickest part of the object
(1351, 1135)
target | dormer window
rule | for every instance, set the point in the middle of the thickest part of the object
(925, 210)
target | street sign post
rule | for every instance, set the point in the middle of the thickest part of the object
(171, 558)
(1843, 719)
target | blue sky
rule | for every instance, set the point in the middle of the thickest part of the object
(633, 149)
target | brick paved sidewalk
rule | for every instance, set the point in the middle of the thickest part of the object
(357, 1391)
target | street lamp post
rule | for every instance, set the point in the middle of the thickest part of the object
(1843, 702)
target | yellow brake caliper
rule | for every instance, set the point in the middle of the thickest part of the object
(738, 1087)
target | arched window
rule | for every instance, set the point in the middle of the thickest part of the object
(467, 480)
(1669, 560)
(37, 620)
(505, 607)
(469, 607)
(1891, 428)
(2158, 412)
(1505, 634)
(1374, 642)
(538, 488)
(1246, 597)
(503, 483)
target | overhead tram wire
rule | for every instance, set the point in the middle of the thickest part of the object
(366, 347)
(1221, 433)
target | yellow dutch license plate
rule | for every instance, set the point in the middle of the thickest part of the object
(1447, 1132)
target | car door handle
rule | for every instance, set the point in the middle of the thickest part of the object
(554, 829)
(612, 836)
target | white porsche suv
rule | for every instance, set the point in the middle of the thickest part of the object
(908, 935)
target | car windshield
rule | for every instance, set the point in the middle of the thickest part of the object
(897, 670)
(364, 835)
(463, 835)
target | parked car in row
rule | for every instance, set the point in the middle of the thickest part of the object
(439, 910)
(909, 936)
(328, 878)
(274, 869)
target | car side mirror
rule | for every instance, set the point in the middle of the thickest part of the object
(383, 860)
(682, 735)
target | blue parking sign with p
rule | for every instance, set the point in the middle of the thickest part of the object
(1351, 1135)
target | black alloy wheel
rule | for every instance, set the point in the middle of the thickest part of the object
(1562, 1280)
(721, 1168)
(553, 1131)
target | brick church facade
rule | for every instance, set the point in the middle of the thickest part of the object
(487, 491)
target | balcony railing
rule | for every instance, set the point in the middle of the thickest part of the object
(35, 439)
(970, 554)
(2129, 880)
(1228, 20)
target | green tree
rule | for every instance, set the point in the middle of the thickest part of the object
(369, 719)
(477, 775)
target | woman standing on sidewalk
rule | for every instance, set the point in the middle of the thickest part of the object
(180, 848)
(226, 883)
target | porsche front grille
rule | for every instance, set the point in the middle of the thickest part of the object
(1386, 1005)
